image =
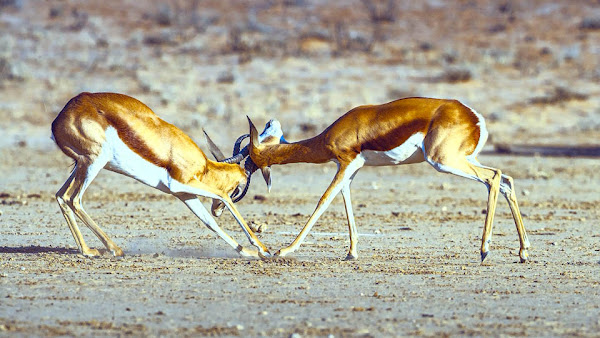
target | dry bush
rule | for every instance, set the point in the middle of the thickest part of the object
(395, 93)
(235, 43)
(452, 75)
(590, 24)
(80, 20)
(164, 38)
(183, 20)
(165, 15)
(558, 95)
(16, 4)
(7, 71)
(345, 42)
(379, 13)
(56, 11)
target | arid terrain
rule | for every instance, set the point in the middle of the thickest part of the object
(531, 68)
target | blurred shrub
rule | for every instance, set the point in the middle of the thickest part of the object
(455, 75)
(378, 13)
(559, 94)
(590, 23)
(164, 15)
(7, 71)
(17, 4)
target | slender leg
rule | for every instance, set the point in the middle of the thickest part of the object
(342, 178)
(198, 209)
(489, 176)
(262, 249)
(197, 188)
(333, 189)
(83, 177)
(352, 252)
(61, 197)
(508, 190)
(494, 188)
(447, 151)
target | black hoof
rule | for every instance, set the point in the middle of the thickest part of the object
(484, 256)
(350, 257)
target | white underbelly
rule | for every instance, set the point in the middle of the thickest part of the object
(123, 160)
(410, 151)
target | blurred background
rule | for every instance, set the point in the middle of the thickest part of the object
(532, 68)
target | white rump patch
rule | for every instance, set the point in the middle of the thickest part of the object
(483, 134)
(410, 151)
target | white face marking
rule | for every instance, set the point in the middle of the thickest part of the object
(123, 160)
(272, 129)
(408, 152)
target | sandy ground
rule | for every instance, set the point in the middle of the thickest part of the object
(531, 68)
(418, 272)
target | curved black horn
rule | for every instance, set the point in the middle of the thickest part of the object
(250, 167)
(238, 143)
(239, 157)
(237, 198)
(234, 159)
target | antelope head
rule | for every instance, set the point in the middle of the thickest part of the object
(271, 134)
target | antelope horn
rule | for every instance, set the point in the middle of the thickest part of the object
(250, 167)
(240, 196)
(234, 159)
(238, 143)
(214, 150)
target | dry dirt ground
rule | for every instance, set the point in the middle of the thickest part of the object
(531, 68)
(418, 272)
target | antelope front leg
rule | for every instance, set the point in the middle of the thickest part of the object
(333, 189)
(198, 209)
(263, 251)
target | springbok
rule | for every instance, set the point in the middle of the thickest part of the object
(444, 133)
(121, 134)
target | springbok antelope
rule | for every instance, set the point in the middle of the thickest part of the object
(121, 134)
(445, 133)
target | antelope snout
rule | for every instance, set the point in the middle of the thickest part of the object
(217, 208)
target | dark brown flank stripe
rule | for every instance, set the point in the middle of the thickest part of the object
(137, 144)
(395, 123)
(395, 137)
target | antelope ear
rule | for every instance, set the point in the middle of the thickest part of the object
(266, 172)
(253, 134)
(214, 150)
